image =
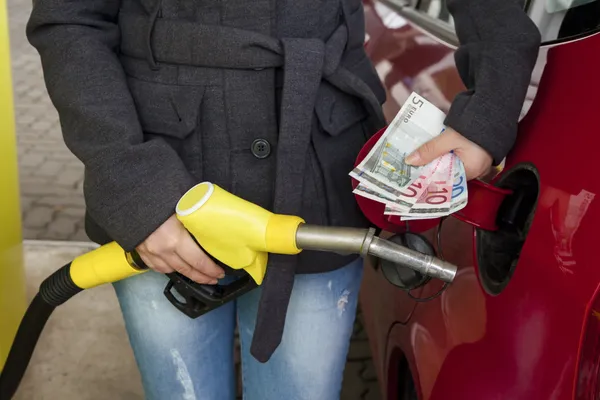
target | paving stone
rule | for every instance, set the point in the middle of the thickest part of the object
(46, 145)
(32, 160)
(67, 157)
(68, 199)
(63, 226)
(38, 217)
(361, 335)
(36, 94)
(22, 151)
(80, 223)
(30, 186)
(26, 202)
(353, 387)
(30, 178)
(373, 392)
(239, 382)
(79, 236)
(50, 234)
(41, 124)
(359, 332)
(24, 118)
(369, 373)
(77, 212)
(25, 172)
(70, 177)
(359, 350)
(49, 168)
(49, 149)
(357, 325)
(30, 234)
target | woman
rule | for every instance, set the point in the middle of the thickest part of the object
(271, 101)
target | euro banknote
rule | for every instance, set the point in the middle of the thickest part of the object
(384, 169)
(431, 191)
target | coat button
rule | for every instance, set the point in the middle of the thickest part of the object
(261, 148)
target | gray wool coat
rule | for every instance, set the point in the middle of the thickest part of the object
(271, 100)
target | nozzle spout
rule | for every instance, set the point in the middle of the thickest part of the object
(363, 241)
(423, 263)
(331, 238)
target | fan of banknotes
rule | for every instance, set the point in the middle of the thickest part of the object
(431, 191)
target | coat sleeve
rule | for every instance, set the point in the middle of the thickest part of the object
(498, 49)
(131, 185)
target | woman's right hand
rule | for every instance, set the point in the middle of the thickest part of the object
(171, 248)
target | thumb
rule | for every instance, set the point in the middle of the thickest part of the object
(430, 150)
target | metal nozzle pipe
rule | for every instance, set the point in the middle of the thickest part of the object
(423, 263)
(363, 242)
(330, 238)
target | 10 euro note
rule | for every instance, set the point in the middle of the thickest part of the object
(413, 190)
(418, 187)
(435, 201)
(383, 170)
(459, 196)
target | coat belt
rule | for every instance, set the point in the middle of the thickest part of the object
(306, 62)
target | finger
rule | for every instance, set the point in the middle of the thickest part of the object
(487, 174)
(477, 163)
(155, 263)
(180, 265)
(431, 150)
(191, 253)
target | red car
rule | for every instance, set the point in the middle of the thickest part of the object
(521, 320)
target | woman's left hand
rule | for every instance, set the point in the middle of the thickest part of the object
(476, 160)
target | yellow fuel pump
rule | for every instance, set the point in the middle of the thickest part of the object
(12, 280)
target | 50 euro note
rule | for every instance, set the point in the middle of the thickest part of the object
(383, 170)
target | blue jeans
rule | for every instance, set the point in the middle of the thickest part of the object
(192, 359)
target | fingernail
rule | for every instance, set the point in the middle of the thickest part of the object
(222, 275)
(214, 282)
(413, 158)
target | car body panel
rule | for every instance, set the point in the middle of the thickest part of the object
(523, 343)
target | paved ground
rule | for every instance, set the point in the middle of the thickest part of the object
(51, 176)
(51, 181)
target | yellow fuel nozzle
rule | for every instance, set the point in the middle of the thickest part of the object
(241, 234)
(236, 232)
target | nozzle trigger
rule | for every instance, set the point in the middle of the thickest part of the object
(198, 299)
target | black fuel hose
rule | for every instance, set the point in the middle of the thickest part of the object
(54, 291)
